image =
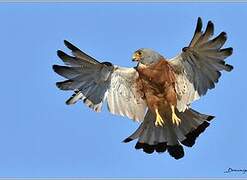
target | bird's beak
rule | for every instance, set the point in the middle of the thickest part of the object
(136, 57)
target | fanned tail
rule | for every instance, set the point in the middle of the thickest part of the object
(170, 137)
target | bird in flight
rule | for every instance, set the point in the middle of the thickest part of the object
(157, 92)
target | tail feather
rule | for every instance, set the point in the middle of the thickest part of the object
(176, 151)
(174, 148)
(180, 134)
(191, 136)
(170, 137)
(151, 136)
(136, 134)
(161, 147)
(144, 135)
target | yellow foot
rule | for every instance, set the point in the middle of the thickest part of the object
(175, 119)
(159, 121)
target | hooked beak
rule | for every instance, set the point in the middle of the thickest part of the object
(136, 57)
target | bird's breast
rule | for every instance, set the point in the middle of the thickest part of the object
(159, 75)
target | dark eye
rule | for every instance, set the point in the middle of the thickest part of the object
(139, 53)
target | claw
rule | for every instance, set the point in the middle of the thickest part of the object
(159, 121)
(175, 119)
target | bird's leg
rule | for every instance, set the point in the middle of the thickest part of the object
(159, 121)
(175, 119)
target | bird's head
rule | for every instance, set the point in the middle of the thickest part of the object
(146, 56)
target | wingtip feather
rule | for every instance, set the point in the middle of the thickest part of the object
(127, 140)
(210, 27)
(228, 51)
(209, 118)
(222, 36)
(61, 54)
(229, 67)
(64, 85)
(55, 67)
(70, 46)
(199, 25)
(58, 84)
(66, 43)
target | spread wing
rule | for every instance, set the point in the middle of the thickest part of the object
(199, 66)
(93, 82)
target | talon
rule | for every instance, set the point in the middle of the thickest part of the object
(159, 121)
(175, 119)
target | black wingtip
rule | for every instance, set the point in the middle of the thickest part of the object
(185, 49)
(210, 23)
(64, 85)
(58, 84)
(229, 67)
(210, 118)
(107, 63)
(127, 140)
(55, 67)
(67, 102)
(226, 53)
(199, 25)
(210, 27)
(222, 35)
(229, 51)
(67, 43)
(60, 54)
(70, 46)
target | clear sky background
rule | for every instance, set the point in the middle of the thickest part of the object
(40, 136)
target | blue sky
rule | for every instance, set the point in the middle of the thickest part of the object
(42, 137)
